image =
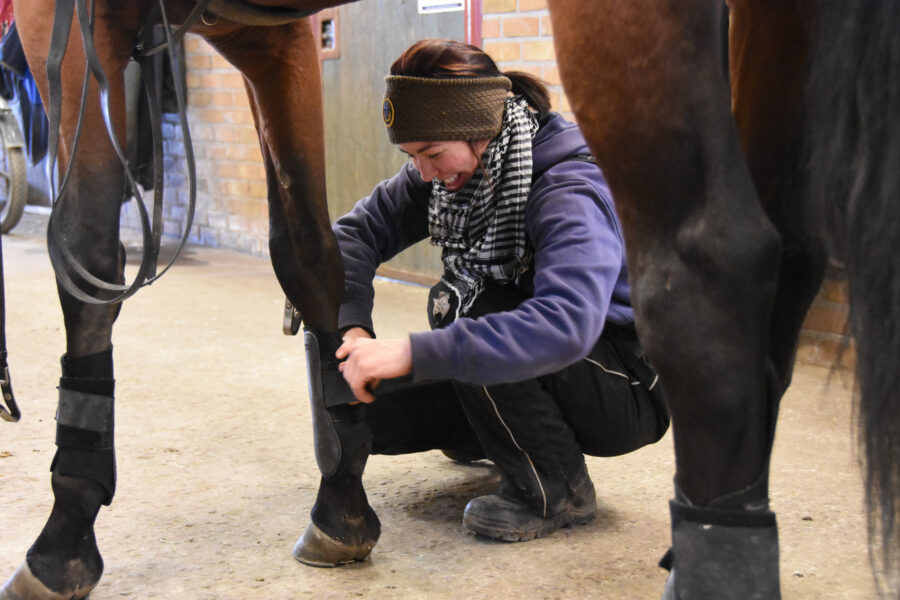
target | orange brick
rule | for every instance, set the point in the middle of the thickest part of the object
(250, 170)
(218, 62)
(550, 74)
(521, 26)
(201, 132)
(211, 115)
(538, 51)
(224, 134)
(239, 117)
(240, 99)
(526, 5)
(546, 26)
(254, 152)
(235, 187)
(200, 62)
(564, 105)
(490, 27)
(826, 318)
(531, 69)
(258, 189)
(200, 97)
(237, 152)
(217, 152)
(247, 135)
(834, 291)
(222, 99)
(194, 43)
(498, 6)
(554, 100)
(232, 80)
(503, 51)
(224, 169)
(211, 80)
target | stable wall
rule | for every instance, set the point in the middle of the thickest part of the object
(231, 190)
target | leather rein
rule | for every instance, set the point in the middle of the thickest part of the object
(61, 257)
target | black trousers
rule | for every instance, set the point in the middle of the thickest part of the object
(610, 401)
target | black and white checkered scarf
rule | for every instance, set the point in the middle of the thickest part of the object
(481, 227)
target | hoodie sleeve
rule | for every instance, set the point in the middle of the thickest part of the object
(578, 257)
(392, 218)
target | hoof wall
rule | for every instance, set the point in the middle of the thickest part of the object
(23, 585)
(318, 549)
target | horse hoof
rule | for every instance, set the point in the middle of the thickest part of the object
(23, 585)
(318, 549)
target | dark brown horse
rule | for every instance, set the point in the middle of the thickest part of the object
(271, 43)
(733, 198)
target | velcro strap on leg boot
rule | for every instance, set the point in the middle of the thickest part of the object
(722, 553)
(327, 391)
(85, 421)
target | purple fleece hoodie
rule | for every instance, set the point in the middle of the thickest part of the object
(580, 278)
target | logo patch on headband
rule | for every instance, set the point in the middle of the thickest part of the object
(387, 111)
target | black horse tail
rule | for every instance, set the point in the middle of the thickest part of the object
(855, 175)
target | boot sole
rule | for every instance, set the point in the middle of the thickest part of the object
(492, 529)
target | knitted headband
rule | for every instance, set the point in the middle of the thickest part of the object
(425, 109)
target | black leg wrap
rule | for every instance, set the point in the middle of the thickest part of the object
(339, 429)
(722, 554)
(85, 421)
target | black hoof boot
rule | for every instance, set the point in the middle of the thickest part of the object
(722, 554)
(344, 528)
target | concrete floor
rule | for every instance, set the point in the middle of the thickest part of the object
(216, 473)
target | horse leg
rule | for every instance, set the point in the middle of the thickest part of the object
(703, 261)
(64, 562)
(769, 55)
(281, 72)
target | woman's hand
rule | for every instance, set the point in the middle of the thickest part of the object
(369, 361)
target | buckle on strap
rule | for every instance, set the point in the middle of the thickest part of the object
(12, 414)
(82, 410)
(290, 324)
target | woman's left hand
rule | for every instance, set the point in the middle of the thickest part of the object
(369, 361)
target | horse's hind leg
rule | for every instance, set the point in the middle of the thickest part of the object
(64, 562)
(769, 55)
(651, 97)
(281, 71)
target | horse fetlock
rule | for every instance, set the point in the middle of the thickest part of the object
(722, 553)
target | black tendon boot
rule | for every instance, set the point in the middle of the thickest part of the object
(725, 551)
(545, 484)
(343, 527)
(64, 562)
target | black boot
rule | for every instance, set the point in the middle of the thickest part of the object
(343, 527)
(545, 483)
(722, 553)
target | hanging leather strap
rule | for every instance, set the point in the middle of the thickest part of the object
(62, 259)
(10, 412)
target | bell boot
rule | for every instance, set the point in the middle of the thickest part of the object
(722, 554)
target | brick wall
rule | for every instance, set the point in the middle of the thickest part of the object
(822, 339)
(231, 210)
(231, 188)
(517, 34)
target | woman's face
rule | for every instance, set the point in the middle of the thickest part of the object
(452, 162)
